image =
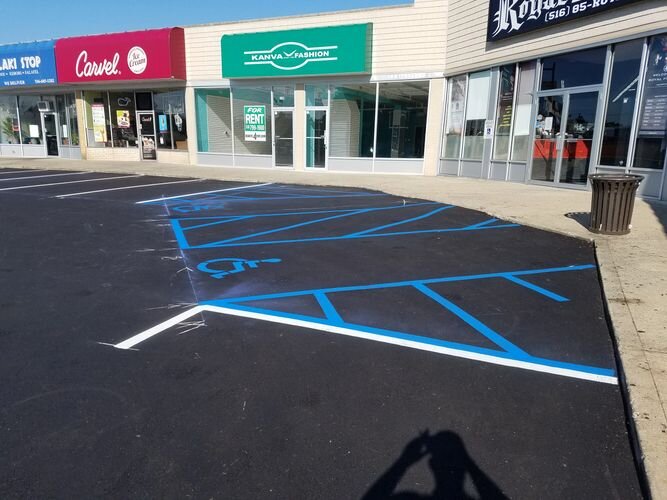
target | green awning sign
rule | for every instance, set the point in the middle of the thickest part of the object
(254, 120)
(304, 52)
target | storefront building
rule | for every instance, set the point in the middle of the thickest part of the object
(357, 91)
(130, 94)
(548, 92)
(37, 117)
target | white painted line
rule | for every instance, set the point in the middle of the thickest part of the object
(41, 176)
(151, 332)
(137, 339)
(21, 171)
(70, 182)
(205, 192)
(126, 187)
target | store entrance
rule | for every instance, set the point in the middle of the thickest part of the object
(283, 145)
(50, 128)
(316, 138)
(564, 137)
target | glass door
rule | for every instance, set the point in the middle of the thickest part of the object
(147, 135)
(50, 127)
(283, 146)
(316, 138)
(564, 132)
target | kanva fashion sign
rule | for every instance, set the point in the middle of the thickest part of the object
(140, 55)
(312, 51)
(25, 64)
(513, 17)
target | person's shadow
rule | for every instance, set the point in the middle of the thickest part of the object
(450, 463)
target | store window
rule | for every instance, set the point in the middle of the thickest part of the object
(479, 85)
(171, 119)
(283, 96)
(214, 121)
(245, 98)
(9, 120)
(352, 121)
(123, 119)
(401, 127)
(505, 110)
(98, 131)
(31, 120)
(70, 102)
(621, 103)
(456, 95)
(574, 69)
(524, 106)
(652, 135)
(317, 95)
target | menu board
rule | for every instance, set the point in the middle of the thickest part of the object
(654, 114)
(505, 100)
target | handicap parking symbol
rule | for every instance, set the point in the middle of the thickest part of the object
(219, 268)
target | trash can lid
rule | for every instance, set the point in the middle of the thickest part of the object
(616, 177)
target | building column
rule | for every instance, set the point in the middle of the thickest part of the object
(191, 120)
(81, 123)
(436, 108)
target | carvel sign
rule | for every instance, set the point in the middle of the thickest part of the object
(138, 55)
(513, 17)
(27, 64)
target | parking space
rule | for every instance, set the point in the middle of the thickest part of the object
(187, 337)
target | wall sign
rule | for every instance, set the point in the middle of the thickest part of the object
(25, 64)
(254, 123)
(312, 51)
(139, 55)
(513, 17)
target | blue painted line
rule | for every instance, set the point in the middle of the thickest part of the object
(538, 289)
(424, 216)
(490, 334)
(179, 234)
(482, 224)
(291, 226)
(398, 284)
(423, 340)
(329, 309)
(226, 244)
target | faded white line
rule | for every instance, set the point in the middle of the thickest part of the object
(70, 182)
(204, 192)
(127, 187)
(22, 171)
(525, 365)
(41, 176)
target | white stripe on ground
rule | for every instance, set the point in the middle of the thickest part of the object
(21, 171)
(70, 182)
(126, 187)
(41, 176)
(204, 192)
(141, 337)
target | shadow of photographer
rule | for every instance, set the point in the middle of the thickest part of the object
(449, 462)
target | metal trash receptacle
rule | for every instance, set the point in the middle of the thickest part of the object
(612, 202)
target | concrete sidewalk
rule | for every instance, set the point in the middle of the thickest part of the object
(633, 267)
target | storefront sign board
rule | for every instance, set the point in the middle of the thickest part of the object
(254, 120)
(513, 17)
(140, 55)
(312, 51)
(24, 64)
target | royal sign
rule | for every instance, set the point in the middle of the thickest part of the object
(24, 64)
(512, 17)
(306, 52)
(139, 55)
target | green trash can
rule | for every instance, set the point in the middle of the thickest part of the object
(613, 201)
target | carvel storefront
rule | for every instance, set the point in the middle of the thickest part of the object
(38, 118)
(309, 99)
(569, 88)
(130, 93)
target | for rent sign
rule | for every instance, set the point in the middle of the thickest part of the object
(140, 55)
(27, 64)
(254, 119)
(312, 51)
(513, 17)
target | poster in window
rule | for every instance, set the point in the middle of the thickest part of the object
(254, 123)
(162, 124)
(123, 118)
(99, 122)
(654, 117)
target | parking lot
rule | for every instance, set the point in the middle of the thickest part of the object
(192, 338)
